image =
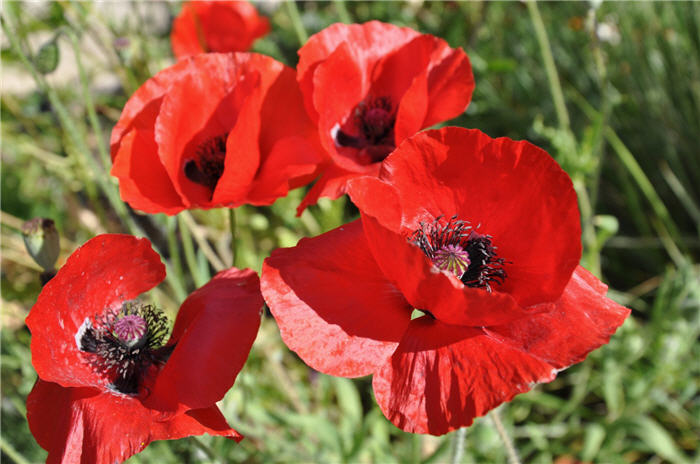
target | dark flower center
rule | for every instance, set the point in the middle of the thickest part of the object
(373, 122)
(454, 246)
(208, 165)
(121, 345)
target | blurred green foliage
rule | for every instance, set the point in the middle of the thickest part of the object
(620, 111)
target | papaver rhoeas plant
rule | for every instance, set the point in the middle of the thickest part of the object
(458, 288)
(220, 26)
(214, 130)
(368, 87)
(110, 379)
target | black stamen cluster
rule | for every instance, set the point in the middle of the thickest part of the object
(375, 119)
(485, 267)
(208, 166)
(123, 364)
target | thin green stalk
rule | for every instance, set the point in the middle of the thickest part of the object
(507, 442)
(645, 185)
(299, 28)
(175, 272)
(458, 447)
(549, 66)
(416, 448)
(11, 452)
(199, 237)
(232, 228)
(205, 448)
(342, 11)
(590, 240)
(190, 256)
(90, 104)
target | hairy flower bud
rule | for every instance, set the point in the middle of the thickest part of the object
(42, 242)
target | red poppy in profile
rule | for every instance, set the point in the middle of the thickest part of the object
(109, 383)
(368, 87)
(482, 236)
(221, 26)
(214, 130)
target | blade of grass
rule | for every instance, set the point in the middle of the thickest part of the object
(294, 15)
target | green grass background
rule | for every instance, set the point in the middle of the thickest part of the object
(620, 112)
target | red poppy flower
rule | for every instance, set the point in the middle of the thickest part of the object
(483, 237)
(214, 130)
(368, 87)
(109, 384)
(221, 26)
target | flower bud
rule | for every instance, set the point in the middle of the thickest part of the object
(47, 58)
(41, 240)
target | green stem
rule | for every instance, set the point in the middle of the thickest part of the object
(175, 271)
(232, 228)
(190, 256)
(206, 449)
(458, 448)
(11, 452)
(342, 11)
(549, 67)
(296, 21)
(588, 235)
(507, 442)
(90, 104)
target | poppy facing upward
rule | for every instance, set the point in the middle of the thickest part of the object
(221, 26)
(110, 381)
(214, 130)
(482, 237)
(368, 87)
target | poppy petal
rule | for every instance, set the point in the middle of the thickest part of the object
(142, 107)
(450, 87)
(289, 159)
(332, 303)
(213, 333)
(331, 184)
(85, 425)
(143, 182)
(582, 320)
(106, 271)
(441, 377)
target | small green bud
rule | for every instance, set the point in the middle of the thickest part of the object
(41, 239)
(46, 59)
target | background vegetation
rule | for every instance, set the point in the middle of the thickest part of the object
(611, 90)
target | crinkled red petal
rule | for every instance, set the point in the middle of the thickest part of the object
(213, 333)
(141, 110)
(88, 426)
(441, 377)
(143, 182)
(579, 322)
(331, 184)
(103, 273)
(332, 303)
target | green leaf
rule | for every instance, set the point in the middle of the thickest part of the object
(657, 439)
